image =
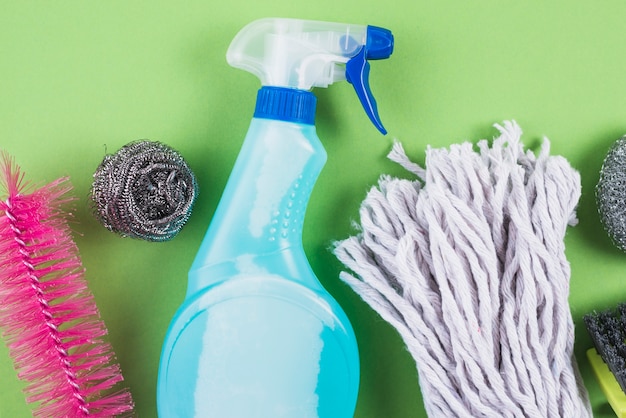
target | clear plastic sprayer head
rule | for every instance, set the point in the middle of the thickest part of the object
(303, 54)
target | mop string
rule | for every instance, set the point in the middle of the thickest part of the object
(468, 263)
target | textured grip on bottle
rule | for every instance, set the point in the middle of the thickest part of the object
(289, 219)
(286, 104)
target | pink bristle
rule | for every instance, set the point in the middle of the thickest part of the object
(49, 318)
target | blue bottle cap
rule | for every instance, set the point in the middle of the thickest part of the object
(286, 104)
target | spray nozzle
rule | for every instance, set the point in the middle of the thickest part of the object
(304, 54)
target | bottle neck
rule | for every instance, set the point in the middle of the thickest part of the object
(261, 211)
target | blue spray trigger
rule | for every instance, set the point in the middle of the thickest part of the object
(357, 74)
(379, 45)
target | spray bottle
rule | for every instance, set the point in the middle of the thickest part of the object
(257, 334)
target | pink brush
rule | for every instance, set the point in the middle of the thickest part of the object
(48, 315)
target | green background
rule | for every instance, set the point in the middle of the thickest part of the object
(79, 79)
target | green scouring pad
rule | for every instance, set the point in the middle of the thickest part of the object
(608, 358)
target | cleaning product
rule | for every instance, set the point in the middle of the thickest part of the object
(467, 261)
(608, 358)
(48, 315)
(257, 334)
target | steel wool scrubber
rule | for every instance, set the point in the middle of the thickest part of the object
(145, 190)
(611, 193)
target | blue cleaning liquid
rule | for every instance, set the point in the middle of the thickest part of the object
(284, 358)
(258, 335)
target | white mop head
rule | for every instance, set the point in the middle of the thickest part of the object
(468, 264)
